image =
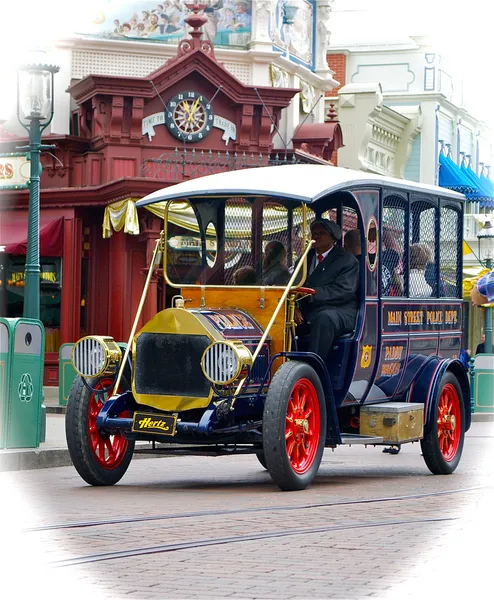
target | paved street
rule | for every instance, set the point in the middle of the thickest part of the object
(218, 528)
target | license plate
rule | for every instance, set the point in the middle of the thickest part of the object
(153, 423)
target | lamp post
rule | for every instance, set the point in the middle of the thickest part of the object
(34, 112)
(486, 255)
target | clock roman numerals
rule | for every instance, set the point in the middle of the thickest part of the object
(189, 116)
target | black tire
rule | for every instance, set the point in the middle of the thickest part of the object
(285, 472)
(262, 459)
(87, 457)
(443, 441)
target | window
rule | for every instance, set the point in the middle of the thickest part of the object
(422, 255)
(449, 253)
(393, 268)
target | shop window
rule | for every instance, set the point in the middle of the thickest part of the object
(50, 295)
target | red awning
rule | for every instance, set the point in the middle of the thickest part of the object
(13, 235)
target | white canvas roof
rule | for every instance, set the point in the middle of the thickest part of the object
(306, 183)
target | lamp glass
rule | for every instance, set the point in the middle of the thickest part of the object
(35, 93)
(486, 241)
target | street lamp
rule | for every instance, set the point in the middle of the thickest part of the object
(486, 256)
(34, 112)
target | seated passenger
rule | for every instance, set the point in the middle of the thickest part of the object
(353, 243)
(419, 257)
(392, 284)
(244, 276)
(333, 273)
(275, 271)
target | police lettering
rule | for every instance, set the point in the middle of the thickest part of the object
(434, 317)
(451, 317)
(414, 317)
(231, 321)
(390, 368)
(393, 352)
(394, 317)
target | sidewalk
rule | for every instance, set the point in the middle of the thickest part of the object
(53, 452)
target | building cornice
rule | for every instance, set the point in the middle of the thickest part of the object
(168, 52)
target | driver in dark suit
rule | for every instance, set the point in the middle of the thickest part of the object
(333, 273)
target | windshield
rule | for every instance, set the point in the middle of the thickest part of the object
(233, 241)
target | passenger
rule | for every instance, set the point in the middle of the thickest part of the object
(275, 271)
(333, 273)
(245, 276)
(419, 257)
(391, 280)
(353, 243)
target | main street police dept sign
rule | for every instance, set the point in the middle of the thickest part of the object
(229, 128)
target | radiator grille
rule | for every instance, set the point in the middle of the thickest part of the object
(170, 365)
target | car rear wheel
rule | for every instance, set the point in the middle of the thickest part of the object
(443, 441)
(294, 426)
(99, 458)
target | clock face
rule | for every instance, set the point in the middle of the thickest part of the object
(189, 116)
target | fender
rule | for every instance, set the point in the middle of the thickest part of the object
(333, 434)
(426, 385)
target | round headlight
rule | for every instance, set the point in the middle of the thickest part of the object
(95, 355)
(222, 362)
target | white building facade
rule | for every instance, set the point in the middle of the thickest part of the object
(414, 81)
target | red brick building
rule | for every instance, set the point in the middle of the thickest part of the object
(125, 145)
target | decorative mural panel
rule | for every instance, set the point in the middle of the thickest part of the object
(229, 21)
(292, 29)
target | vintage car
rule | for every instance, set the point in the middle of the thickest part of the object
(224, 370)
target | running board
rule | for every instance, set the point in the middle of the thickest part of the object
(355, 438)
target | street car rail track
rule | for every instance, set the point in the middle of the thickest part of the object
(206, 513)
(235, 539)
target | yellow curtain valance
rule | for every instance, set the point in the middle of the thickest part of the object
(121, 215)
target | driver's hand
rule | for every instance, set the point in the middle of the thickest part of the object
(298, 316)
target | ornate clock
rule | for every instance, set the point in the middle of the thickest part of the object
(189, 116)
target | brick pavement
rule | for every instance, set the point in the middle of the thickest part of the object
(383, 562)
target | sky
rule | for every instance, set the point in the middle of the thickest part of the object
(464, 32)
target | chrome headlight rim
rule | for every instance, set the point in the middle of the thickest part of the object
(111, 355)
(242, 356)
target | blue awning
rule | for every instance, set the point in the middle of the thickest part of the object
(465, 181)
(487, 183)
(451, 177)
(486, 198)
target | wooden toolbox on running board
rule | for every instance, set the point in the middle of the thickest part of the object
(396, 422)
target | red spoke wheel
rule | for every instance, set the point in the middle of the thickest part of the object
(444, 435)
(100, 458)
(294, 426)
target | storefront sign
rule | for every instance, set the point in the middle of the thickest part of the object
(14, 171)
(49, 274)
(229, 128)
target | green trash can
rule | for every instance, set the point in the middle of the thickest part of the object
(66, 373)
(484, 383)
(6, 339)
(25, 384)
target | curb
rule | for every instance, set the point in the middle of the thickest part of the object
(28, 459)
(35, 458)
(482, 417)
(55, 410)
